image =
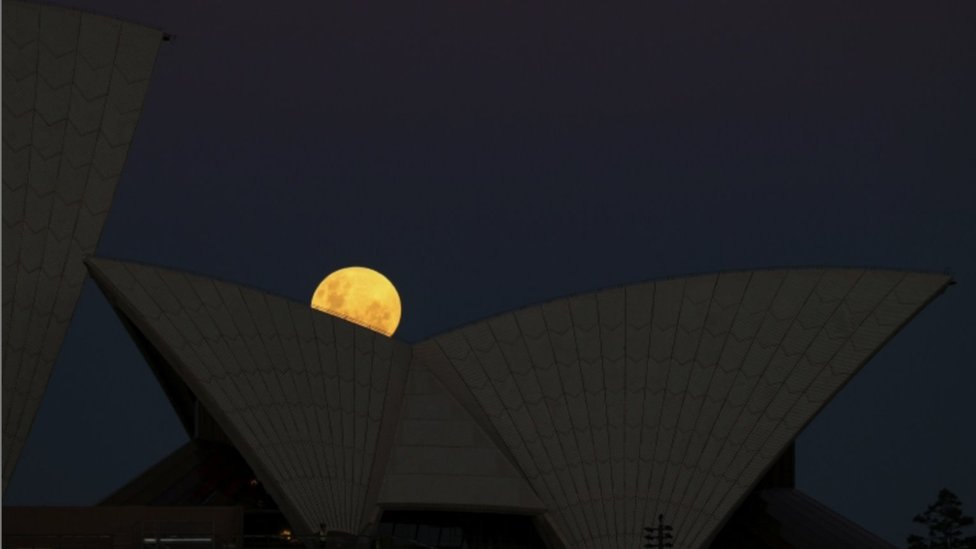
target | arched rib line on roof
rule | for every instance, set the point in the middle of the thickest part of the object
(706, 516)
(607, 492)
(13, 439)
(53, 182)
(705, 397)
(647, 447)
(612, 322)
(35, 367)
(634, 521)
(269, 337)
(656, 468)
(684, 393)
(335, 433)
(524, 404)
(392, 404)
(315, 422)
(844, 379)
(594, 488)
(252, 371)
(585, 510)
(455, 384)
(279, 361)
(345, 353)
(758, 379)
(543, 481)
(308, 415)
(557, 435)
(23, 208)
(361, 434)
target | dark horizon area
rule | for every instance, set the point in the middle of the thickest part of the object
(493, 155)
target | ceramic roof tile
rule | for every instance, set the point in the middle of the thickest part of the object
(698, 381)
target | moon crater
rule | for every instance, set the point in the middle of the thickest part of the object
(362, 296)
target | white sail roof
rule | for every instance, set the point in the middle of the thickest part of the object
(73, 87)
(671, 397)
(306, 397)
(596, 412)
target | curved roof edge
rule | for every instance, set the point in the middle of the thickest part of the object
(67, 128)
(691, 274)
(306, 397)
(673, 396)
(612, 407)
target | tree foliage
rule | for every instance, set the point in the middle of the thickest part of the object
(946, 524)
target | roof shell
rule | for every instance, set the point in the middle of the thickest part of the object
(73, 88)
(601, 410)
(306, 397)
(671, 397)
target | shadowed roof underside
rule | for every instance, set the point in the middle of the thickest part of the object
(73, 87)
(671, 397)
(808, 524)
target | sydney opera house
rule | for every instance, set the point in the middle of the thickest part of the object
(574, 423)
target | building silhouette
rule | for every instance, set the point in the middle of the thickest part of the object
(568, 424)
(588, 415)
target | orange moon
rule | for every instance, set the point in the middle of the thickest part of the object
(362, 296)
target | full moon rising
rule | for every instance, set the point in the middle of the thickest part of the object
(362, 296)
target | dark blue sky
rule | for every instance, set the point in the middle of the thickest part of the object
(487, 155)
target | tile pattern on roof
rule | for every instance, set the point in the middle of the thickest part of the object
(671, 397)
(442, 457)
(73, 87)
(304, 395)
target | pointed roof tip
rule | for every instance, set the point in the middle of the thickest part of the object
(100, 273)
(94, 261)
(946, 280)
(105, 271)
(95, 265)
(92, 265)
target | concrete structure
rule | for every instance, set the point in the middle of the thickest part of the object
(592, 414)
(73, 87)
(122, 527)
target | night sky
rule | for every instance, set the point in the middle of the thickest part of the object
(488, 155)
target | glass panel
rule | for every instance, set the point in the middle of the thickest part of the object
(451, 537)
(405, 531)
(451, 530)
(385, 529)
(428, 534)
